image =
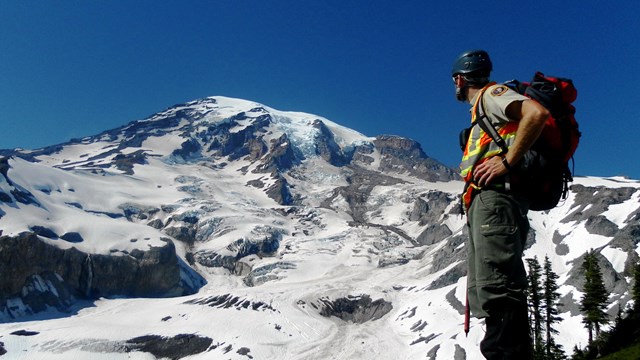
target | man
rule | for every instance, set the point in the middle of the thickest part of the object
(496, 213)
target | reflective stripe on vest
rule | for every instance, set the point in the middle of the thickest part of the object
(481, 147)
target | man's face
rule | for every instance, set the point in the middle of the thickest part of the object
(461, 93)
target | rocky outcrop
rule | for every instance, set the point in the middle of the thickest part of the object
(593, 201)
(4, 168)
(37, 275)
(228, 301)
(280, 157)
(451, 253)
(264, 273)
(357, 309)
(189, 149)
(430, 212)
(158, 346)
(224, 141)
(264, 241)
(627, 240)
(361, 183)
(174, 347)
(433, 233)
(600, 225)
(280, 192)
(14, 193)
(327, 147)
(403, 155)
(125, 162)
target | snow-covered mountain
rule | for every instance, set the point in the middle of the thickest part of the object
(224, 229)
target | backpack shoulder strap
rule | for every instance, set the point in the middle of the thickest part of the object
(486, 125)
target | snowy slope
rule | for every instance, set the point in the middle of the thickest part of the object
(284, 220)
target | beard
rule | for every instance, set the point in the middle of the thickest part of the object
(461, 94)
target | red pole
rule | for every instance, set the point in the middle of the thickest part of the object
(467, 315)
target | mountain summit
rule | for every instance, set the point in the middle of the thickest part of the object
(223, 228)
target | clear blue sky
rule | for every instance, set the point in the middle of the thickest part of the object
(70, 69)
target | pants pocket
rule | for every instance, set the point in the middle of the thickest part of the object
(503, 252)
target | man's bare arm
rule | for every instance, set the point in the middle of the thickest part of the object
(532, 117)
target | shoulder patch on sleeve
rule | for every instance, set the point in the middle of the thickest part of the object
(499, 90)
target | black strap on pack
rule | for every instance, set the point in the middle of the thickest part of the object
(488, 127)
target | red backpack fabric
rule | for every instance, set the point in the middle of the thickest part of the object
(561, 132)
(547, 176)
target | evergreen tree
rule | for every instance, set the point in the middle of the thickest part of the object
(578, 354)
(594, 299)
(553, 351)
(535, 300)
(622, 335)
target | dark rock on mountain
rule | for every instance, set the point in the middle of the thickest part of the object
(5, 197)
(433, 233)
(174, 347)
(24, 333)
(125, 162)
(450, 277)
(182, 232)
(593, 201)
(257, 149)
(454, 302)
(261, 274)
(24, 197)
(357, 309)
(600, 225)
(280, 157)
(460, 353)
(430, 212)
(16, 193)
(327, 147)
(263, 242)
(431, 208)
(361, 183)
(361, 154)
(44, 232)
(60, 275)
(4, 168)
(420, 207)
(402, 155)
(627, 240)
(280, 192)
(451, 253)
(156, 224)
(236, 144)
(188, 150)
(228, 301)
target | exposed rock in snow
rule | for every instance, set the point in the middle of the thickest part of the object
(357, 309)
(38, 275)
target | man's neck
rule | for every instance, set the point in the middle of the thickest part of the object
(471, 94)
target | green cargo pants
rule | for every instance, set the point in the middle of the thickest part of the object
(497, 278)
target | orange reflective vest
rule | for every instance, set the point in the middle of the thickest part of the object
(481, 147)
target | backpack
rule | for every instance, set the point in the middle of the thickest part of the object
(543, 175)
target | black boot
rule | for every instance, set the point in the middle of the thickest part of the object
(507, 337)
(490, 345)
